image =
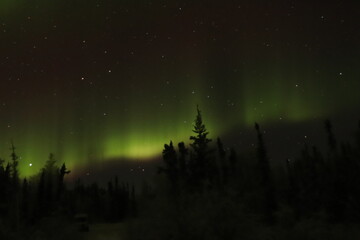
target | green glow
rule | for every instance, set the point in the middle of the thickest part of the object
(8, 7)
(141, 132)
(67, 102)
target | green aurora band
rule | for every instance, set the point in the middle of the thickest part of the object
(139, 132)
(163, 62)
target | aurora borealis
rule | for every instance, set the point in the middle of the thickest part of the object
(92, 80)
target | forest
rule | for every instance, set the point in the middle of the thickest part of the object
(201, 191)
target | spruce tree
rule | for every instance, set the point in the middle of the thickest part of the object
(2, 178)
(2, 169)
(291, 189)
(199, 164)
(14, 167)
(60, 189)
(171, 164)
(223, 164)
(133, 202)
(331, 138)
(183, 154)
(234, 168)
(50, 174)
(7, 174)
(41, 209)
(200, 140)
(263, 161)
(335, 179)
(268, 198)
(358, 137)
(14, 204)
(233, 161)
(25, 201)
(4, 187)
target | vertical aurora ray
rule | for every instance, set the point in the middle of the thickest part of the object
(78, 137)
(124, 77)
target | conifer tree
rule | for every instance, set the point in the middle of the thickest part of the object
(110, 188)
(331, 138)
(317, 156)
(183, 154)
(127, 190)
(116, 184)
(25, 201)
(335, 179)
(171, 164)
(4, 187)
(200, 140)
(7, 174)
(292, 188)
(14, 167)
(60, 189)
(2, 177)
(358, 136)
(2, 169)
(14, 204)
(223, 164)
(233, 162)
(41, 209)
(199, 162)
(263, 160)
(133, 202)
(308, 170)
(50, 174)
(235, 174)
(50, 165)
(265, 178)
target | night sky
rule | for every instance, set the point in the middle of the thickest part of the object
(92, 81)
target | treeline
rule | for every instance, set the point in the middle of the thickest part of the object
(27, 204)
(112, 204)
(312, 186)
(24, 202)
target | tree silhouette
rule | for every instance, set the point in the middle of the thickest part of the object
(337, 172)
(358, 136)
(2, 176)
(199, 162)
(41, 210)
(292, 189)
(171, 164)
(265, 179)
(4, 187)
(50, 176)
(234, 168)
(2, 169)
(183, 154)
(14, 167)
(263, 160)
(62, 172)
(331, 138)
(8, 172)
(223, 164)
(25, 201)
(14, 187)
(133, 202)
